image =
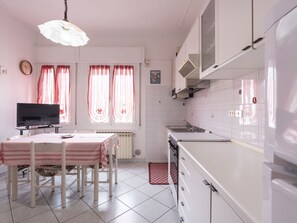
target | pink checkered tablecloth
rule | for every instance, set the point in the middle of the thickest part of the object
(81, 149)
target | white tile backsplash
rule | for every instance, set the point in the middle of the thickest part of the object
(160, 111)
(209, 108)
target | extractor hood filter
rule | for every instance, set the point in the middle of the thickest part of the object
(190, 65)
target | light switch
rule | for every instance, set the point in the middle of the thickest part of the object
(238, 113)
(231, 113)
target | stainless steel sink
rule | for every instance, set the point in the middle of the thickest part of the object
(181, 129)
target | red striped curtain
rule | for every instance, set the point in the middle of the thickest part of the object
(62, 92)
(123, 94)
(98, 93)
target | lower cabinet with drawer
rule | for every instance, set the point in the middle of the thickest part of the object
(199, 201)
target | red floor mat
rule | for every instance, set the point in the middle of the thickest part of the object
(158, 173)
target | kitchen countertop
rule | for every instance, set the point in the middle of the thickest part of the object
(235, 170)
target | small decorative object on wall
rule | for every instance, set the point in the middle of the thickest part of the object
(26, 67)
(155, 76)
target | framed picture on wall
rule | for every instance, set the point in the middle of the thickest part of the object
(155, 76)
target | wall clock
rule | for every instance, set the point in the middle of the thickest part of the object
(26, 67)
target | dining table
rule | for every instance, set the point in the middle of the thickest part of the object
(82, 149)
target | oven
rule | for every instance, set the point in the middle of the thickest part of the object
(173, 167)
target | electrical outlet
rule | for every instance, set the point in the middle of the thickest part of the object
(238, 113)
(231, 113)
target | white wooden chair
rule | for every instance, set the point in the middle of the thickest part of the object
(20, 168)
(112, 168)
(59, 150)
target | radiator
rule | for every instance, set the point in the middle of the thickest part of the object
(125, 150)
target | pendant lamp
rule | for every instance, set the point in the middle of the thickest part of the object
(63, 32)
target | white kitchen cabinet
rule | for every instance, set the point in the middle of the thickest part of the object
(190, 46)
(199, 200)
(238, 35)
(180, 82)
(226, 31)
(194, 196)
(260, 10)
(221, 210)
(192, 40)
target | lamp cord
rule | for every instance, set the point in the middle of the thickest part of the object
(65, 12)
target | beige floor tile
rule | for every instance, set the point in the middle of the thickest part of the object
(87, 217)
(72, 210)
(151, 210)
(110, 210)
(131, 217)
(133, 198)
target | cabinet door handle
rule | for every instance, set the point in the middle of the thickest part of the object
(183, 158)
(182, 204)
(182, 188)
(181, 220)
(213, 189)
(215, 66)
(206, 182)
(246, 48)
(182, 173)
(258, 40)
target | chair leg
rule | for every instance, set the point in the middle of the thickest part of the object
(63, 191)
(83, 179)
(9, 180)
(116, 171)
(78, 178)
(96, 181)
(37, 180)
(33, 189)
(53, 184)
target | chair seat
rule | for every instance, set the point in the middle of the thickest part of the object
(22, 167)
(51, 170)
(100, 164)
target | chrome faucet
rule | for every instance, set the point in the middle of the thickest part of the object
(192, 128)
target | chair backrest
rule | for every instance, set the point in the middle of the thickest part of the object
(48, 154)
(114, 145)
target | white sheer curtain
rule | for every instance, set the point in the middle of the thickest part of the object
(123, 94)
(62, 93)
(98, 93)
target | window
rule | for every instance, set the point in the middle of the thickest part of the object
(54, 88)
(118, 108)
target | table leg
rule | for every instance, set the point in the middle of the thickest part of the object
(14, 182)
(96, 181)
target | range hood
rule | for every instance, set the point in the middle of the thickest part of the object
(190, 67)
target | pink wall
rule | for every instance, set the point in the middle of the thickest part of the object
(16, 44)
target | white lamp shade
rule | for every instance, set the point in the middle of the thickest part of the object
(63, 32)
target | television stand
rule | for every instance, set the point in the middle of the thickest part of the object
(27, 128)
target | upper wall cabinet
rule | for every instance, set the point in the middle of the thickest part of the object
(231, 30)
(226, 31)
(260, 10)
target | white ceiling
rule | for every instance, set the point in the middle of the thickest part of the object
(110, 16)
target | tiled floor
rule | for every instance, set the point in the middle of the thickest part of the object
(134, 201)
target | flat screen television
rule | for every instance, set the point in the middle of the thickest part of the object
(30, 114)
